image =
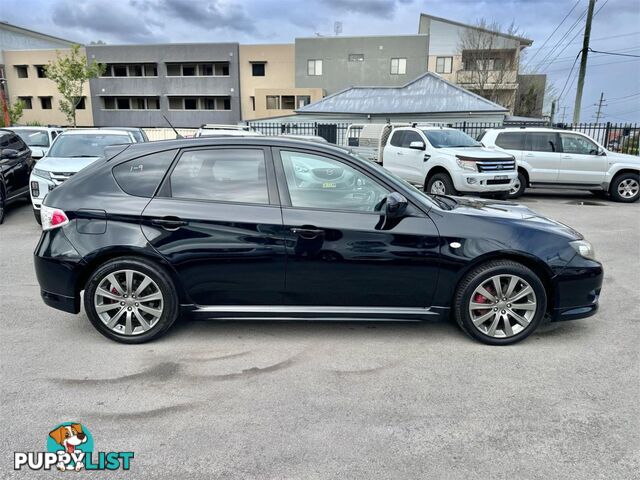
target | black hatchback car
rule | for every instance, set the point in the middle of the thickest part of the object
(258, 227)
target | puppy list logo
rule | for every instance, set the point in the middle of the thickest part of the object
(70, 447)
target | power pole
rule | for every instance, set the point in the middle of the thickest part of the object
(600, 105)
(583, 62)
(564, 110)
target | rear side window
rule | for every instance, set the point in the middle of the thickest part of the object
(141, 176)
(542, 142)
(511, 140)
(226, 175)
(396, 138)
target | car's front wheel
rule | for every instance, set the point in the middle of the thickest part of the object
(441, 184)
(625, 187)
(500, 302)
(130, 300)
(519, 186)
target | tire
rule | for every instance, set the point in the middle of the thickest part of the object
(157, 324)
(3, 205)
(36, 214)
(532, 316)
(625, 187)
(443, 181)
(521, 184)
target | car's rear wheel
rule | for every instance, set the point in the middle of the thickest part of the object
(441, 184)
(2, 205)
(500, 302)
(519, 186)
(130, 300)
(625, 187)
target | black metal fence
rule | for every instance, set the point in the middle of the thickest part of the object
(617, 137)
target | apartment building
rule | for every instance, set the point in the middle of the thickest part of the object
(190, 84)
(267, 82)
(337, 63)
(483, 61)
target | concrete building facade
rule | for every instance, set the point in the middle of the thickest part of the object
(336, 63)
(190, 84)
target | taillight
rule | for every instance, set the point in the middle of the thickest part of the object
(52, 218)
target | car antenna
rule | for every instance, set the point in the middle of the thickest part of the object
(172, 127)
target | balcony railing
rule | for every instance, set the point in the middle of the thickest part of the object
(508, 78)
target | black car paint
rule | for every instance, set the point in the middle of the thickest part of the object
(243, 254)
(15, 166)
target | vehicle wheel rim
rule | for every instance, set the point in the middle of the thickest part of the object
(438, 187)
(628, 188)
(502, 306)
(515, 188)
(128, 302)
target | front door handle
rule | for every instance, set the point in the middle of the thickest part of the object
(400, 153)
(307, 233)
(169, 223)
(567, 156)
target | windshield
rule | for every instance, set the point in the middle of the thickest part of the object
(34, 138)
(450, 138)
(85, 145)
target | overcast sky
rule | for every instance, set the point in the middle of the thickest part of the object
(616, 29)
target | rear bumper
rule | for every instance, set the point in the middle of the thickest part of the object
(61, 302)
(577, 291)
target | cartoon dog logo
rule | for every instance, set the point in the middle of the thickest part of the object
(70, 437)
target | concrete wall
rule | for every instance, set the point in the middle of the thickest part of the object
(339, 73)
(164, 86)
(35, 87)
(15, 38)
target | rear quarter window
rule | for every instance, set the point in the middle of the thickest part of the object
(510, 140)
(141, 176)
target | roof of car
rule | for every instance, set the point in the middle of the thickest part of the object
(522, 129)
(34, 127)
(233, 141)
(89, 131)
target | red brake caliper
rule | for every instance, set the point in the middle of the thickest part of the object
(479, 298)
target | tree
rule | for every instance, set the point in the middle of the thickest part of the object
(15, 113)
(70, 73)
(491, 61)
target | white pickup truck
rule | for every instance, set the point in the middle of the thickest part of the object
(440, 160)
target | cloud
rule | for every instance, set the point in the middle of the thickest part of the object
(212, 15)
(374, 8)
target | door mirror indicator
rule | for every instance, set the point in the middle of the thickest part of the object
(395, 205)
(417, 145)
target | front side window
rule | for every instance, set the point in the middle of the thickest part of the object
(542, 142)
(141, 176)
(444, 64)
(225, 175)
(324, 183)
(578, 144)
(510, 140)
(410, 136)
(314, 67)
(398, 66)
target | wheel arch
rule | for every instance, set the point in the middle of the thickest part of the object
(525, 173)
(436, 169)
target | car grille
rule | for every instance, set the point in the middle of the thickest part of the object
(59, 177)
(496, 165)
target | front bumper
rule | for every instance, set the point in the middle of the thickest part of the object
(485, 182)
(577, 290)
(44, 186)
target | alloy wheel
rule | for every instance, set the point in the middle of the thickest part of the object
(628, 188)
(128, 302)
(438, 187)
(515, 188)
(502, 306)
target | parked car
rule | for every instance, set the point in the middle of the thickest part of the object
(212, 129)
(439, 160)
(551, 158)
(138, 134)
(276, 228)
(38, 139)
(15, 165)
(71, 152)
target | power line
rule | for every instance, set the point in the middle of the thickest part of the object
(626, 96)
(595, 39)
(613, 53)
(564, 69)
(559, 42)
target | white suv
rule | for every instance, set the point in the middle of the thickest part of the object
(551, 158)
(39, 139)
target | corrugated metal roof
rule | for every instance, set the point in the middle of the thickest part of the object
(429, 93)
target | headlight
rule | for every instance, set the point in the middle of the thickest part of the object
(41, 173)
(584, 249)
(467, 164)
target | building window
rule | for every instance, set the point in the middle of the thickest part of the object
(444, 64)
(131, 103)
(41, 71)
(273, 102)
(288, 102)
(135, 70)
(356, 57)
(123, 103)
(130, 70)
(253, 103)
(200, 103)
(81, 105)
(150, 70)
(188, 70)
(398, 66)
(211, 69)
(258, 69)
(45, 103)
(302, 100)
(120, 71)
(26, 102)
(314, 67)
(22, 71)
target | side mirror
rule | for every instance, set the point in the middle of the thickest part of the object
(10, 153)
(395, 205)
(602, 152)
(417, 145)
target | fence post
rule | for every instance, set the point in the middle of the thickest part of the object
(606, 135)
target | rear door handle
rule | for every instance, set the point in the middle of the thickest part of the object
(169, 223)
(307, 233)
(529, 155)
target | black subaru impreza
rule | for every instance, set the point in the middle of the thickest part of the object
(246, 228)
